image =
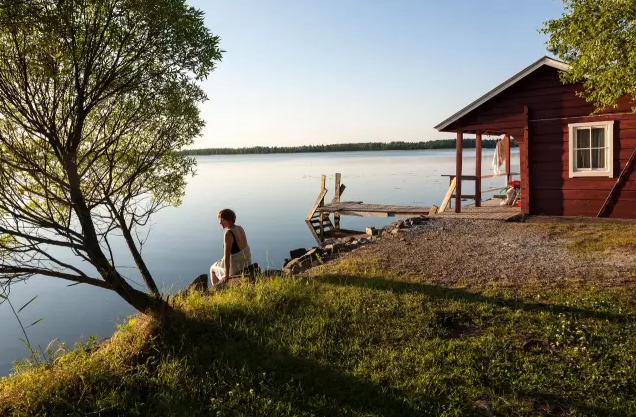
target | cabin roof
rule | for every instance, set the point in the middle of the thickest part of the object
(547, 61)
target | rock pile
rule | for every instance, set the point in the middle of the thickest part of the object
(302, 259)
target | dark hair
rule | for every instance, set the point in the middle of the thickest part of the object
(227, 214)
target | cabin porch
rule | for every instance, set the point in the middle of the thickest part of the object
(488, 210)
(455, 190)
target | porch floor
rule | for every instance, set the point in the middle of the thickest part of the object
(489, 210)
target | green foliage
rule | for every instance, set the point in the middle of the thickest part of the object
(354, 343)
(597, 39)
(96, 99)
(346, 147)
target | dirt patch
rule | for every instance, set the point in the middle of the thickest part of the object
(468, 252)
(455, 325)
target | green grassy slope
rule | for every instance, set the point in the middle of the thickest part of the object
(355, 343)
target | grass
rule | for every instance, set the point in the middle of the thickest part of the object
(354, 343)
(594, 238)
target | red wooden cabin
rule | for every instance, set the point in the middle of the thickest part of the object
(573, 163)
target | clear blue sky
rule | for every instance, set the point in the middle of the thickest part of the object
(302, 72)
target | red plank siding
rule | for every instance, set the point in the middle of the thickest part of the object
(546, 186)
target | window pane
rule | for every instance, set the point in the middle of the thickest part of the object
(582, 138)
(583, 158)
(598, 159)
(598, 137)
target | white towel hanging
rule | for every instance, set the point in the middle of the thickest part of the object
(497, 159)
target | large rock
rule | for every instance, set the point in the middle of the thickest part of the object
(200, 283)
(416, 220)
(297, 266)
(314, 253)
(297, 253)
(333, 247)
(399, 224)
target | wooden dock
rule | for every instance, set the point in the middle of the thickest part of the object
(322, 227)
(357, 208)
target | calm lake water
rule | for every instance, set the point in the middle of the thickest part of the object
(271, 195)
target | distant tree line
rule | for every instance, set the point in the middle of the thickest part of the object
(346, 147)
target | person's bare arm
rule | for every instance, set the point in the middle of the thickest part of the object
(227, 246)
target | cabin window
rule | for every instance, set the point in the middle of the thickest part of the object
(591, 149)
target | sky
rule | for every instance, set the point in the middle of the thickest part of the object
(302, 72)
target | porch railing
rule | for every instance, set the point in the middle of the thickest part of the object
(452, 187)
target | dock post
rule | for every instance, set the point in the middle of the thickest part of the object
(323, 183)
(458, 173)
(336, 200)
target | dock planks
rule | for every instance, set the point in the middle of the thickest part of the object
(490, 210)
(353, 208)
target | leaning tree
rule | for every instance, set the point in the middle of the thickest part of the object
(96, 99)
(598, 40)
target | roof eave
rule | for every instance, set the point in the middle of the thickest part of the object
(551, 62)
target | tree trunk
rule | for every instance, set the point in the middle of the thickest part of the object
(151, 304)
(141, 265)
(145, 303)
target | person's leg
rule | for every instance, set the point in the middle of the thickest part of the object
(213, 277)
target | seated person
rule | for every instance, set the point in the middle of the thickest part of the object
(236, 252)
(511, 195)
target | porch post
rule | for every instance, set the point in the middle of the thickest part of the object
(507, 149)
(478, 169)
(458, 173)
(525, 162)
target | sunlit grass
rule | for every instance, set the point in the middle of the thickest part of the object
(594, 237)
(354, 342)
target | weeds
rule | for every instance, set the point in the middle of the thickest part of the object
(37, 357)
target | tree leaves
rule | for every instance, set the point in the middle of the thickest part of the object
(597, 39)
(96, 99)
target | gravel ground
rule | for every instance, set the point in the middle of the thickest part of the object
(480, 253)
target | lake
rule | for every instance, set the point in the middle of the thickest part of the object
(271, 195)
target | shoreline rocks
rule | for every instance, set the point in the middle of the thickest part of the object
(303, 259)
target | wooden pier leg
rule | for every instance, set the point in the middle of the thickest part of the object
(478, 169)
(323, 184)
(336, 199)
(322, 227)
(458, 173)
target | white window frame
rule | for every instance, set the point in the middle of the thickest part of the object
(609, 139)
